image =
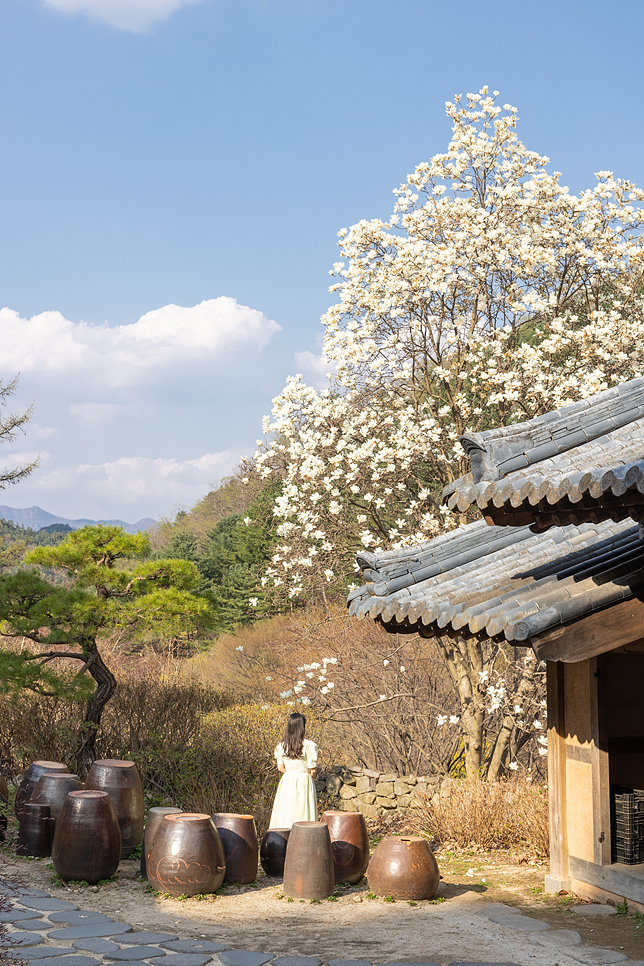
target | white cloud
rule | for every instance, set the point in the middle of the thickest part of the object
(151, 483)
(50, 343)
(42, 432)
(134, 15)
(315, 366)
(98, 412)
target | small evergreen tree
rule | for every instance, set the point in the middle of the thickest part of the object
(104, 589)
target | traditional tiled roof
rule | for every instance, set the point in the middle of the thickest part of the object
(501, 581)
(580, 463)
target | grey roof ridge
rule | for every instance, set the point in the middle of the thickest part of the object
(570, 536)
(570, 592)
(529, 620)
(409, 599)
(618, 478)
(496, 452)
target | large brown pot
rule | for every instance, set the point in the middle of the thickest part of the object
(87, 840)
(272, 851)
(35, 832)
(30, 779)
(4, 805)
(155, 816)
(186, 857)
(239, 838)
(308, 867)
(350, 844)
(120, 779)
(403, 867)
(52, 789)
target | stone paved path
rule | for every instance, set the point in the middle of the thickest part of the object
(45, 931)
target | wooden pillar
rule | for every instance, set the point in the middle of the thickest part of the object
(559, 877)
(601, 769)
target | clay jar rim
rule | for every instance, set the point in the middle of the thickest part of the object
(407, 838)
(233, 815)
(186, 817)
(87, 793)
(330, 811)
(114, 763)
(35, 806)
(308, 824)
(50, 764)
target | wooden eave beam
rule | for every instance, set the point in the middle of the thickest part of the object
(599, 632)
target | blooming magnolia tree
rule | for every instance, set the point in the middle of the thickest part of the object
(491, 295)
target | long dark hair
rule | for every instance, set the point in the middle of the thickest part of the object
(293, 740)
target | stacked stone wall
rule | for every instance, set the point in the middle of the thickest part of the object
(356, 789)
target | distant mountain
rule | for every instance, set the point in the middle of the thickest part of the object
(34, 517)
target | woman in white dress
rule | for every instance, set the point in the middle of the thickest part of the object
(296, 758)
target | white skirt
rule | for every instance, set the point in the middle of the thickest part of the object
(295, 800)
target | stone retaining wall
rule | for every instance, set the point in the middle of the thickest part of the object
(357, 789)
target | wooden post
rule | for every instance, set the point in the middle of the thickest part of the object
(601, 769)
(559, 877)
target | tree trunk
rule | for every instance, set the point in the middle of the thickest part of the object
(464, 660)
(84, 755)
(525, 687)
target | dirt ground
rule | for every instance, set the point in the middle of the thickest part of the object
(351, 925)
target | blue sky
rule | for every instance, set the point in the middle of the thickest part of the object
(173, 174)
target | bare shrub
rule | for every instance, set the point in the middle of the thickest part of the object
(34, 726)
(380, 697)
(489, 815)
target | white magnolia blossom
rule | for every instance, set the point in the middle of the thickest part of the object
(490, 295)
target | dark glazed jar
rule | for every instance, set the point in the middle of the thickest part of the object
(155, 816)
(239, 838)
(4, 806)
(30, 779)
(308, 867)
(350, 844)
(120, 779)
(34, 834)
(52, 789)
(272, 851)
(403, 867)
(186, 856)
(87, 840)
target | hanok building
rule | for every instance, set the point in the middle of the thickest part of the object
(557, 565)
